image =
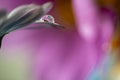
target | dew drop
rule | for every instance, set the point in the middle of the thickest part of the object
(47, 18)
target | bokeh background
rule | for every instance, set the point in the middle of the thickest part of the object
(20, 48)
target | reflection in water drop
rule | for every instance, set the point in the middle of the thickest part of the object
(47, 18)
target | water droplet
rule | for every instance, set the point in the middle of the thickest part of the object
(47, 18)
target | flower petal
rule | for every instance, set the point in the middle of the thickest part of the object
(45, 25)
(3, 14)
(47, 7)
(24, 15)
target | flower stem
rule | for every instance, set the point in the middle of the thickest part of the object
(1, 40)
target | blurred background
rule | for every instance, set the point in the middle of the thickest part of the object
(63, 14)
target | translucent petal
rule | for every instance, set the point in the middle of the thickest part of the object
(47, 7)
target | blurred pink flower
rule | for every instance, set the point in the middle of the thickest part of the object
(65, 54)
